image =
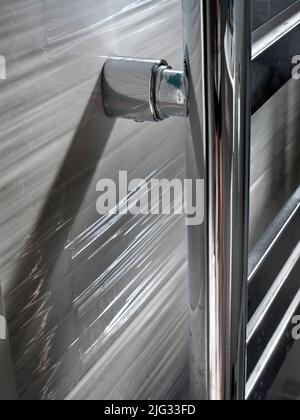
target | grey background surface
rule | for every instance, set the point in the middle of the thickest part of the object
(97, 307)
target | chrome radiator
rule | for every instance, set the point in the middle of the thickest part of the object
(101, 307)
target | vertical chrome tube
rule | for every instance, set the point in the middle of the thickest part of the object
(218, 58)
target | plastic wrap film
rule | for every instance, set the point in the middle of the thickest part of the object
(98, 306)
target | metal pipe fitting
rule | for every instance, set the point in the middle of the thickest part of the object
(143, 90)
(215, 95)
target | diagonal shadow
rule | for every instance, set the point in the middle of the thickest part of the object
(49, 237)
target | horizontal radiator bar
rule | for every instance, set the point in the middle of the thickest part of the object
(274, 267)
(274, 48)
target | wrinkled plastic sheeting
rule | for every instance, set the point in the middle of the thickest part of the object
(97, 306)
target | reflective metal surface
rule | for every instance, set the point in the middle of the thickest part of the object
(275, 154)
(97, 308)
(275, 44)
(275, 29)
(274, 263)
(274, 354)
(273, 298)
(171, 93)
(143, 90)
(218, 56)
(264, 10)
(196, 169)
